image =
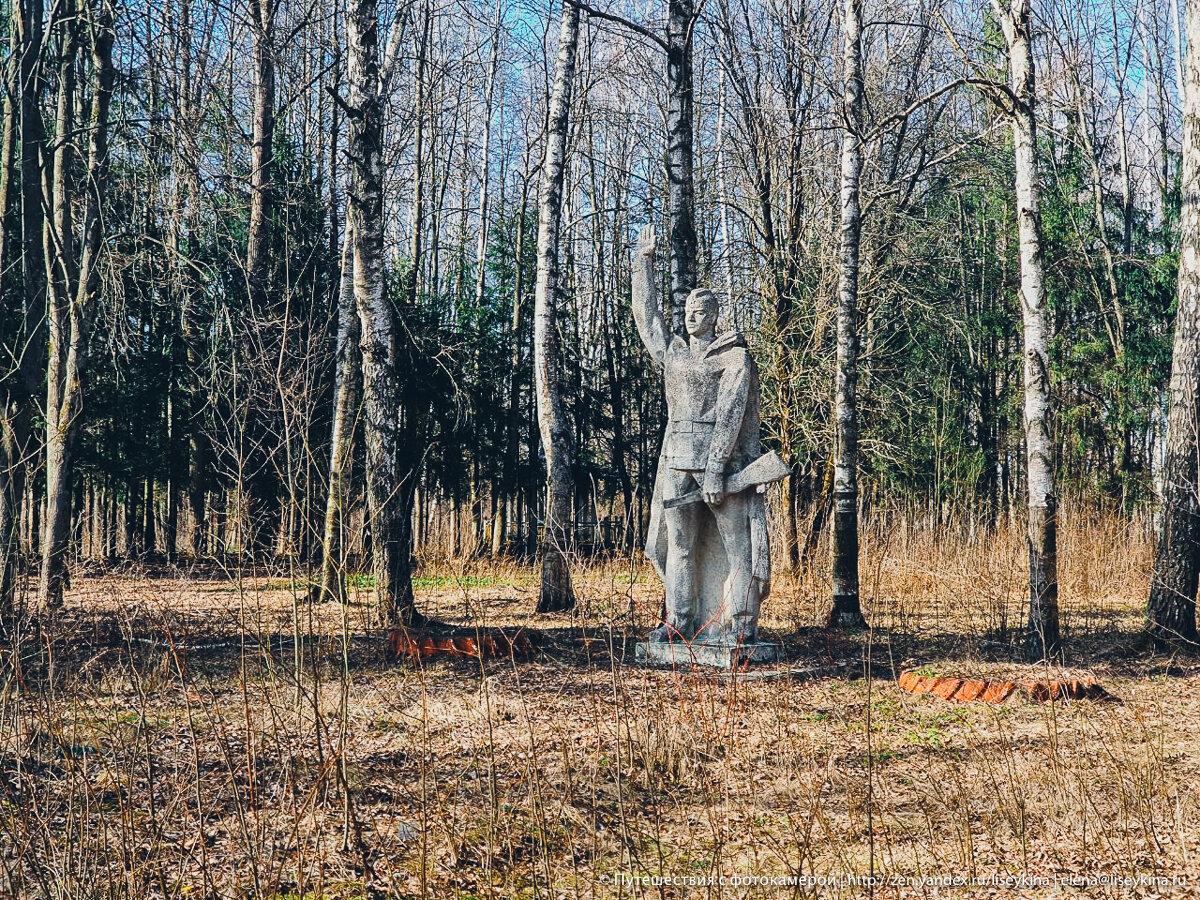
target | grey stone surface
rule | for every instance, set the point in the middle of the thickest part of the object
(708, 524)
(699, 653)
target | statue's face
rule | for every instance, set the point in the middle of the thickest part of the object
(700, 313)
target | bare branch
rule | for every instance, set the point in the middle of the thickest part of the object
(994, 89)
(985, 83)
(620, 20)
(392, 51)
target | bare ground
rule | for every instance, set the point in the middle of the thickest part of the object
(156, 741)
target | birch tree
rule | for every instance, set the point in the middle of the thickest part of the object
(1016, 21)
(1171, 607)
(681, 190)
(556, 591)
(485, 155)
(346, 391)
(847, 609)
(389, 549)
(678, 46)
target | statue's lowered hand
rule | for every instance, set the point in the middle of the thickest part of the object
(713, 488)
(646, 241)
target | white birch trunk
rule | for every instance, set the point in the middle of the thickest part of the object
(1043, 634)
(484, 162)
(847, 609)
(556, 593)
(1171, 607)
(345, 407)
(723, 194)
(681, 192)
(389, 548)
(1180, 60)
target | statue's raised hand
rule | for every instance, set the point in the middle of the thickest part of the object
(646, 241)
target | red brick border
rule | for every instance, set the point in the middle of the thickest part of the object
(965, 690)
(487, 646)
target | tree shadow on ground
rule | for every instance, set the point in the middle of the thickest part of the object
(78, 642)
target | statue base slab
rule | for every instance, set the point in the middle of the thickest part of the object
(697, 653)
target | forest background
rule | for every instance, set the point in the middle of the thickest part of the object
(315, 327)
(212, 358)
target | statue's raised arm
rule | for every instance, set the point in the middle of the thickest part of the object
(647, 311)
(707, 534)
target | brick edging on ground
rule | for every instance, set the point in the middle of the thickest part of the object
(964, 690)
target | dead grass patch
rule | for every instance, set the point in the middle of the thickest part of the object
(176, 736)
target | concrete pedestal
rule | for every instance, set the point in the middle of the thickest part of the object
(717, 656)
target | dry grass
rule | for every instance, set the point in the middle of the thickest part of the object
(160, 743)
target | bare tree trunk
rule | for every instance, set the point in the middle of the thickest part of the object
(73, 281)
(175, 464)
(17, 432)
(1043, 637)
(1120, 70)
(194, 446)
(681, 23)
(345, 409)
(820, 512)
(262, 482)
(1116, 333)
(481, 246)
(389, 549)
(557, 593)
(197, 487)
(513, 419)
(416, 247)
(1154, 76)
(484, 163)
(1180, 56)
(1171, 607)
(61, 262)
(722, 186)
(16, 397)
(847, 610)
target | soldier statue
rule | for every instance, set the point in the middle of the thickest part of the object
(708, 527)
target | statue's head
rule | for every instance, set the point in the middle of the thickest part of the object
(700, 312)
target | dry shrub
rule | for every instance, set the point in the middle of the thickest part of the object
(176, 737)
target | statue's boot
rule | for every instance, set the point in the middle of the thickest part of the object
(666, 633)
(744, 624)
(680, 583)
(742, 592)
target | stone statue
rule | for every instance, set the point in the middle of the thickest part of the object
(708, 524)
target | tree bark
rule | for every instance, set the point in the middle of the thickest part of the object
(1171, 607)
(16, 397)
(389, 547)
(847, 610)
(17, 432)
(512, 468)
(681, 22)
(262, 481)
(485, 154)
(412, 283)
(556, 593)
(346, 399)
(1042, 639)
(1180, 55)
(73, 280)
